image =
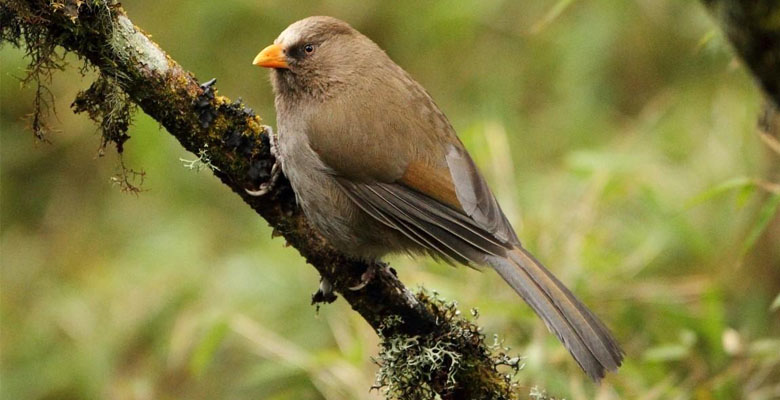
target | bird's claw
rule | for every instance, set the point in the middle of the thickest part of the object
(324, 293)
(276, 170)
(367, 276)
(267, 186)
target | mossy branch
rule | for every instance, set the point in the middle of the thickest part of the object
(449, 352)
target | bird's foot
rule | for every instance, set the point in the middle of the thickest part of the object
(370, 273)
(266, 187)
(276, 170)
(324, 293)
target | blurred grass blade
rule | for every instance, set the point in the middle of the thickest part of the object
(204, 353)
(770, 141)
(667, 352)
(706, 39)
(744, 194)
(775, 304)
(765, 215)
(551, 15)
(720, 189)
(765, 347)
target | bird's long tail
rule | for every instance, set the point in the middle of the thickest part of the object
(586, 338)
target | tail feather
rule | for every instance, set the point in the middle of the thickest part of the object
(587, 339)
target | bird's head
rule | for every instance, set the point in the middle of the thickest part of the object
(315, 55)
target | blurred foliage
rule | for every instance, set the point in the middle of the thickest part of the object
(620, 138)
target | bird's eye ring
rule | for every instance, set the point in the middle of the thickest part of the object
(309, 48)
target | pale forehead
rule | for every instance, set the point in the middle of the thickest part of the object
(309, 28)
(291, 34)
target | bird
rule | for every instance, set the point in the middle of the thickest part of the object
(377, 168)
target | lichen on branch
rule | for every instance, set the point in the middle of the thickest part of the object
(109, 106)
(421, 367)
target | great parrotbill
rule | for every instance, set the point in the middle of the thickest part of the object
(377, 168)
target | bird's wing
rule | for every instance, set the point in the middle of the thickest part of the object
(447, 209)
(432, 224)
(401, 162)
(472, 194)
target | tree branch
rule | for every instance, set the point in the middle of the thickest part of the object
(232, 140)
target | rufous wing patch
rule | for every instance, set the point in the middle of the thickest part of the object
(432, 182)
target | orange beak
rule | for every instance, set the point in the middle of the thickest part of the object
(271, 57)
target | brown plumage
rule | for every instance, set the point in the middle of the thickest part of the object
(377, 168)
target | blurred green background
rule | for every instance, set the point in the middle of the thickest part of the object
(620, 138)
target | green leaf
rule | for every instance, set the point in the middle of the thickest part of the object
(720, 189)
(764, 217)
(265, 374)
(668, 352)
(204, 353)
(744, 195)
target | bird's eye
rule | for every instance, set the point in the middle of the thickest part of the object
(309, 48)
